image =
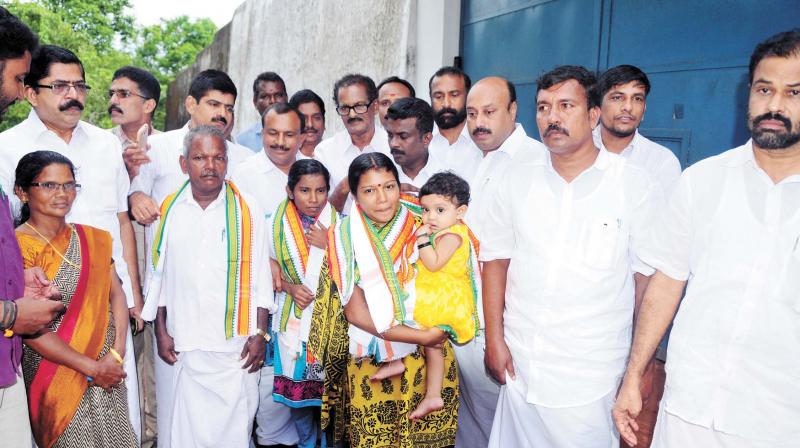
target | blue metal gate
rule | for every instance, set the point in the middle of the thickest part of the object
(695, 52)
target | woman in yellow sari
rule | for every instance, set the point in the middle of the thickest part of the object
(73, 370)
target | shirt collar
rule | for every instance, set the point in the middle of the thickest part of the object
(264, 164)
(37, 126)
(598, 140)
(189, 199)
(514, 141)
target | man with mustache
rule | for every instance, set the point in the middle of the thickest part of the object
(56, 89)
(390, 90)
(268, 89)
(356, 102)
(22, 308)
(409, 123)
(559, 249)
(729, 234)
(451, 142)
(264, 177)
(133, 98)
(210, 102)
(312, 108)
(622, 92)
(491, 109)
(211, 295)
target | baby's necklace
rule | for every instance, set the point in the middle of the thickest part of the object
(53, 247)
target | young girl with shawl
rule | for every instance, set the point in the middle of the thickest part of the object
(371, 252)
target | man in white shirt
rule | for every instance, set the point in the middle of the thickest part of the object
(133, 98)
(212, 290)
(409, 123)
(622, 92)
(390, 90)
(356, 102)
(312, 108)
(451, 142)
(491, 120)
(730, 235)
(264, 177)
(56, 89)
(559, 251)
(268, 89)
(210, 102)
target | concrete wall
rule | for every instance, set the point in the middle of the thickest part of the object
(313, 43)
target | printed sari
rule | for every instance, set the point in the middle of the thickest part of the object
(64, 410)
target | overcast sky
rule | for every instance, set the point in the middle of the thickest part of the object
(148, 12)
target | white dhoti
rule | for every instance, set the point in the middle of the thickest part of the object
(521, 424)
(275, 423)
(215, 401)
(132, 383)
(672, 431)
(477, 395)
(164, 378)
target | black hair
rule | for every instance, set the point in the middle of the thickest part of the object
(369, 161)
(44, 57)
(353, 79)
(455, 71)
(147, 83)
(619, 75)
(211, 79)
(284, 108)
(306, 167)
(267, 77)
(512, 93)
(564, 73)
(449, 185)
(395, 79)
(404, 108)
(29, 167)
(781, 45)
(16, 37)
(307, 96)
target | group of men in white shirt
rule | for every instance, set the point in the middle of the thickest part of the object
(588, 239)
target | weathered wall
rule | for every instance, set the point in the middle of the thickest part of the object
(310, 44)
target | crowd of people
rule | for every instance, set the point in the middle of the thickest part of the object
(429, 276)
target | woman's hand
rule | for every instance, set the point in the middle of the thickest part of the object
(301, 294)
(108, 373)
(317, 236)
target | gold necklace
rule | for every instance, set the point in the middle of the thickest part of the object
(72, 229)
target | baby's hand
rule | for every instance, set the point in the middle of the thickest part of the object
(424, 230)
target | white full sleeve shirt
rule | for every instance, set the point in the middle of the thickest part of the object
(261, 180)
(569, 293)
(432, 166)
(733, 361)
(195, 274)
(462, 157)
(97, 156)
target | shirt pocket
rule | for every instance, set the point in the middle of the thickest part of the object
(600, 241)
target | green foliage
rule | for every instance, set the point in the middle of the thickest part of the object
(104, 36)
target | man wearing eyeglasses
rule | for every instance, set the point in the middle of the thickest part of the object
(133, 99)
(356, 102)
(56, 89)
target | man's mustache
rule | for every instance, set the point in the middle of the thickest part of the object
(354, 119)
(446, 110)
(280, 148)
(555, 128)
(399, 152)
(479, 130)
(209, 173)
(310, 129)
(114, 107)
(222, 120)
(773, 116)
(70, 104)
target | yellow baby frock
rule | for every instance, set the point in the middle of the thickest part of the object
(448, 297)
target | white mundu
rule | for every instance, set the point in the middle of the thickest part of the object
(657, 160)
(463, 156)
(97, 156)
(265, 183)
(214, 398)
(478, 392)
(157, 179)
(732, 369)
(569, 295)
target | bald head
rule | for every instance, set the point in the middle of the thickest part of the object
(491, 112)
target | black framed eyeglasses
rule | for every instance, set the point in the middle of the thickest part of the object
(68, 187)
(361, 108)
(62, 87)
(124, 93)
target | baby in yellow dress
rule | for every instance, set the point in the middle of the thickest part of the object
(448, 279)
